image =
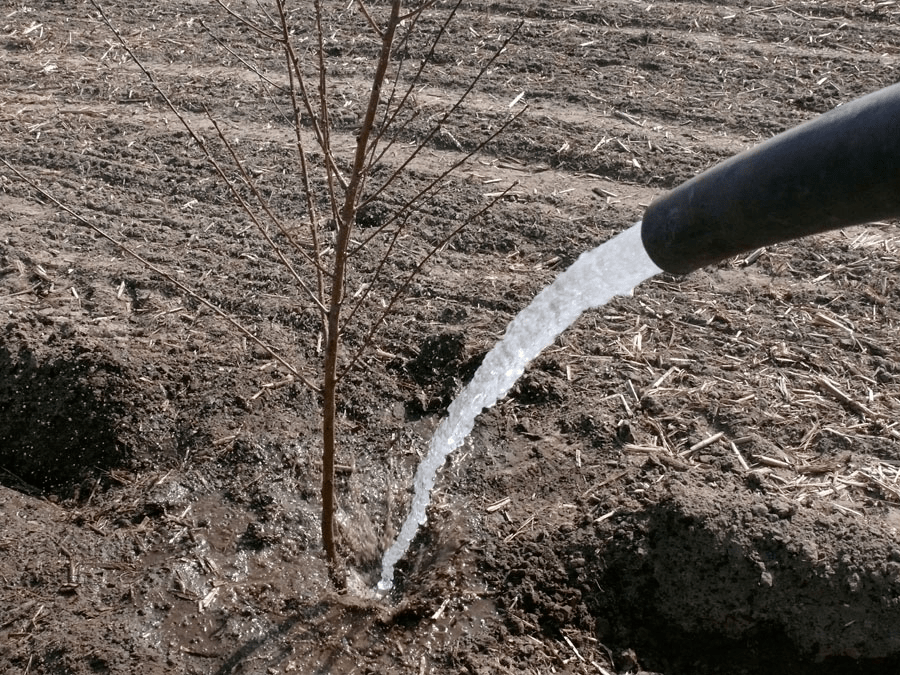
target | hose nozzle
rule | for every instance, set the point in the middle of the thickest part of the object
(840, 169)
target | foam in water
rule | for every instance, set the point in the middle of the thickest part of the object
(613, 268)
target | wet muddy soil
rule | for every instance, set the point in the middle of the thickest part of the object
(703, 477)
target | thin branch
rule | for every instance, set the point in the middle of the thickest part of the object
(375, 275)
(262, 8)
(348, 209)
(240, 58)
(401, 292)
(252, 26)
(264, 205)
(324, 108)
(324, 111)
(198, 139)
(372, 23)
(401, 51)
(362, 140)
(165, 275)
(437, 181)
(312, 218)
(446, 115)
(305, 97)
(389, 119)
(418, 10)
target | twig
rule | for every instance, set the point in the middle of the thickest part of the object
(240, 58)
(435, 182)
(296, 73)
(519, 531)
(252, 26)
(450, 112)
(740, 457)
(264, 205)
(165, 275)
(388, 121)
(702, 444)
(202, 144)
(401, 291)
(832, 389)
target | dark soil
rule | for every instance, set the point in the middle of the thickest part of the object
(159, 502)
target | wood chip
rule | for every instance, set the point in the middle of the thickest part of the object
(496, 506)
(627, 118)
(771, 461)
(662, 378)
(706, 442)
(832, 388)
(740, 457)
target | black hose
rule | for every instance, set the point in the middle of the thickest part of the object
(840, 169)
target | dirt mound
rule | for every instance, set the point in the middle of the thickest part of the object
(68, 409)
(718, 579)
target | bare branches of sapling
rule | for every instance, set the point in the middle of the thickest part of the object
(333, 171)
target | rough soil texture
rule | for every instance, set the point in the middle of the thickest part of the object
(159, 501)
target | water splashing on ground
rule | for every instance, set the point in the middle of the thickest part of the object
(613, 268)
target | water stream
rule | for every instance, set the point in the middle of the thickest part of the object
(613, 268)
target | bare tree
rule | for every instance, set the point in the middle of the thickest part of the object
(336, 187)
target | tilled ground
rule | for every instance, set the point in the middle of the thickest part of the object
(159, 499)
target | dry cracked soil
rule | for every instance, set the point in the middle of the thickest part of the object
(159, 472)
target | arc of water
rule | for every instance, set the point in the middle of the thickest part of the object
(613, 268)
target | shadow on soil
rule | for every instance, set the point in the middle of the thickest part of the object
(60, 417)
(750, 589)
